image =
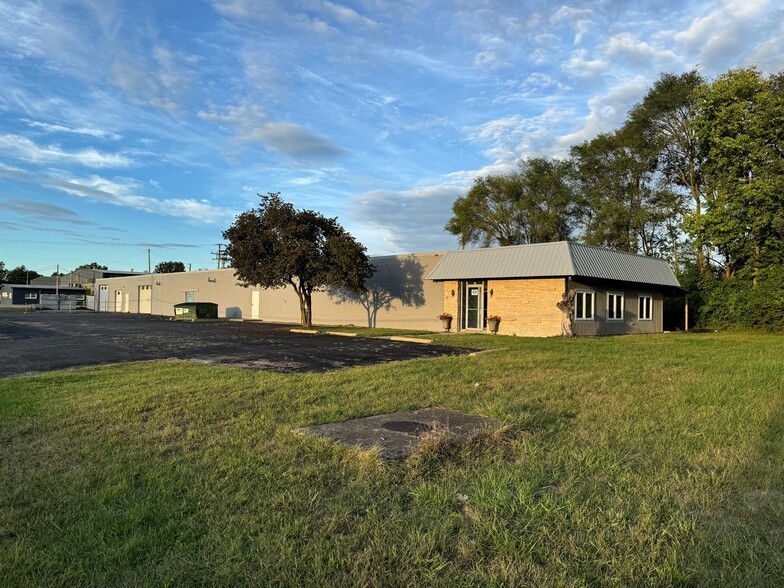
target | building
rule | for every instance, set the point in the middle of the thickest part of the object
(614, 292)
(50, 297)
(83, 277)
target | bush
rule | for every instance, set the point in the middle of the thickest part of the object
(739, 303)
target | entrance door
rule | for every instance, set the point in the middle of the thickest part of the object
(126, 303)
(118, 297)
(103, 298)
(145, 299)
(473, 306)
(255, 304)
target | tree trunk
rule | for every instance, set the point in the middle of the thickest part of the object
(308, 309)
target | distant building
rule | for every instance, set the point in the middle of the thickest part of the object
(42, 296)
(83, 277)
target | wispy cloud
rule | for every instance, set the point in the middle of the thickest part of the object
(24, 149)
(122, 193)
(57, 128)
(251, 126)
(42, 211)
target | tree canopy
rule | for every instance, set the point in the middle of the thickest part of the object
(534, 204)
(21, 275)
(169, 267)
(275, 245)
(93, 265)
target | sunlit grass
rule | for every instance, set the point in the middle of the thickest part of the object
(652, 460)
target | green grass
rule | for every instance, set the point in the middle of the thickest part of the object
(632, 461)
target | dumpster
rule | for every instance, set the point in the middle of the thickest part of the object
(190, 311)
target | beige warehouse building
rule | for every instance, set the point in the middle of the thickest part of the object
(615, 293)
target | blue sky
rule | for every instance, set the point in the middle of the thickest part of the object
(150, 124)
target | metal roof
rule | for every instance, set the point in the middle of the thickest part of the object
(543, 260)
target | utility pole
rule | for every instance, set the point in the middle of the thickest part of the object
(148, 262)
(220, 255)
(57, 285)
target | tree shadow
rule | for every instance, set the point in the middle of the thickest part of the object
(396, 278)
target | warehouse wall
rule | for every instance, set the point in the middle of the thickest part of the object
(399, 296)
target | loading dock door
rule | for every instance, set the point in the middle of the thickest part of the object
(255, 304)
(145, 299)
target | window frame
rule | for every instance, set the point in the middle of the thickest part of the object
(640, 314)
(585, 294)
(31, 295)
(614, 296)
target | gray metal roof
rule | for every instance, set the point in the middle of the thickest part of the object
(543, 260)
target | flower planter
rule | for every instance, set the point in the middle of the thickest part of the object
(447, 323)
(492, 325)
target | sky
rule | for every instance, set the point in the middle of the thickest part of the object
(128, 126)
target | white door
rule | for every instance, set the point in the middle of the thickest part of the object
(126, 303)
(103, 299)
(118, 298)
(255, 304)
(145, 299)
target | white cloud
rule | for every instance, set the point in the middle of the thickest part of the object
(348, 16)
(515, 137)
(25, 150)
(122, 192)
(630, 47)
(50, 128)
(579, 66)
(251, 126)
(723, 38)
(406, 221)
(580, 20)
(607, 111)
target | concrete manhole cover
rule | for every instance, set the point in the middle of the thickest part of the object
(410, 427)
(397, 434)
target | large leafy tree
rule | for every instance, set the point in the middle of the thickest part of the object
(3, 273)
(741, 123)
(665, 121)
(21, 275)
(93, 265)
(534, 204)
(169, 267)
(275, 245)
(627, 207)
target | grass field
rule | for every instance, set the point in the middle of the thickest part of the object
(631, 461)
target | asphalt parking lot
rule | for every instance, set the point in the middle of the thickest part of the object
(46, 341)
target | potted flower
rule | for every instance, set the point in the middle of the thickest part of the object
(492, 323)
(446, 321)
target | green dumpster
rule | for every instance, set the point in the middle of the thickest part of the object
(190, 311)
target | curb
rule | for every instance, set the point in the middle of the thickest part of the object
(306, 331)
(340, 334)
(411, 340)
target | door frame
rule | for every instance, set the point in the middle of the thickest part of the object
(482, 304)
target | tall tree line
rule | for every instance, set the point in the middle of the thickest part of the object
(694, 175)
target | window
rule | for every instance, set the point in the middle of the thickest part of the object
(583, 306)
(646, 307)
(31, 296)
(614, 306)
(190, 296)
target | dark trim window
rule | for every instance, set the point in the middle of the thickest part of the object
(583, 305)
(614, 306)
(646, 307)
(31, 295)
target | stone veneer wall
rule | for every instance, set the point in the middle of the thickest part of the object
(526, 307)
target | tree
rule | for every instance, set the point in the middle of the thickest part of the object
(93, 265)
(532, 205)
(395, 279)
(625, 206)
(665, 120)
(741, 123)
(21, 275)
(275, 245)
(169, 267)
(3, 273)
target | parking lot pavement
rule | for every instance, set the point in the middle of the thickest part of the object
(46, 341)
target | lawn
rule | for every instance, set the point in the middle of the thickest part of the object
(652, 460)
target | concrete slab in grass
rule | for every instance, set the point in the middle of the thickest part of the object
(397, 434)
